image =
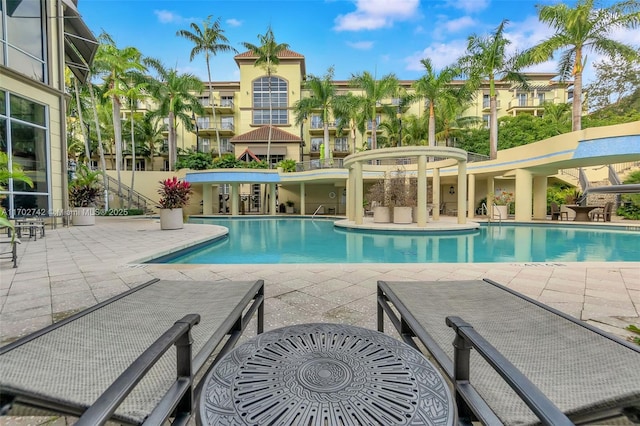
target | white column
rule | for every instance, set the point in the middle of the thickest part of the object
(351, 213)
(303, 200)
(235, 198)
(523, 195)
(207, 199)
(471, 204)
(357, 183)
(540, 197)
(462, 192)
(436, 194)
(272, 199)
(491, 191)
(422, 191)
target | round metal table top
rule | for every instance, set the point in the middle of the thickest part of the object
(325, 374)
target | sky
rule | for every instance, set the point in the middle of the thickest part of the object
(379, 36)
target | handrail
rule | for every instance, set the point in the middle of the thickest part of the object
(140, 200)
(467, 338)
(493, 212)
(181, 392)
(316, 212)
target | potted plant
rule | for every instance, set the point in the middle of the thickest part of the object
(500, 204)
(174, 195)
(376, 197)
(84, 190)
(289, 208)
(398, 198)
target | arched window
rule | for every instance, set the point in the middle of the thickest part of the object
(279, 100)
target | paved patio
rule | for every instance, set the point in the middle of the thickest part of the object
(73, 268)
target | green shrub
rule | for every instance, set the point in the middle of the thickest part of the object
(195, 161)
(288, 165)
(630, 203)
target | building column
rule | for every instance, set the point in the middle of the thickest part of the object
(351, 213)
(523, 195)
(462, 192)
(272, 199)
(436, 194)
(540, 197)
(207, 198)
(471, 205)
(357, 183)
(422, 192)
(235, 198)
(303, 210)
(491, 191)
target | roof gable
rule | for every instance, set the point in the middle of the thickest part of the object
(261, 134)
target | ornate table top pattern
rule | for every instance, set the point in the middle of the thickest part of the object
(325, 374)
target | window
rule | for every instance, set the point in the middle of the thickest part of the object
(270, 92)
(226, 101)
(24, 138)
(23, 48)
(205, 145)
(341, 145)
(378, 120)
(486, 119)
(226, 145)
(541, 99)
(522, 99)
(316, 143)
(486, 101)
(226, 123)
(316, 122)
(203, 123)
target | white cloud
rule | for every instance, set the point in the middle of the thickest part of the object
(167, 17)
(441, 55)
(469, 6)
(375, 14)
(462, 23)
(233, 22)
(360, 45)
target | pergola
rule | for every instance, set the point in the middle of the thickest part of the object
(446, 157)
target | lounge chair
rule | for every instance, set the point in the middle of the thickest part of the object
(9, 249)
(555, 359)
(106, 349)
(557, 214)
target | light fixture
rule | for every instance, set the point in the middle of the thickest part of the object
(452, 190)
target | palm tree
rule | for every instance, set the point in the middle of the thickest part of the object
(115, 64)
(487, 61)
(323, 94)
(374, 91)
(267, 53)
(557, 117)
(135, 90)
(451, 120)
(173, 93)
(150, 135)
(581, 28)
(348, 112)
(435, 88)
(208, 39)
(415, 130)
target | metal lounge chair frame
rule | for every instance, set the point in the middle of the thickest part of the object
(116, 360)
(529, 360)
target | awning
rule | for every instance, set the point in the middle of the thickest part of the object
(80, 45)
(630, 188)
(262, 150)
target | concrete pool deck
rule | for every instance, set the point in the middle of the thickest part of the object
(76, 267)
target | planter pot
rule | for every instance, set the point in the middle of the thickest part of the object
(381, 215)
(83, 216)
(571, 214)
(402, 215)
(289, 210)
(500, 212)
(171, 219)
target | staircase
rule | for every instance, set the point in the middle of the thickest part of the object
(138, 200)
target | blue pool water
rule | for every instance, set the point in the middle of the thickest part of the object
(263, 240)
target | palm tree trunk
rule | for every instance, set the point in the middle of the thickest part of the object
(103, 162)
(432, 125)
(374, 129)
(173, 149)
(213, 108)
(117, 134)
(270, 116)
(85, 136)
(325, 137)
(576, 118)
(493, 127)
(133, 158)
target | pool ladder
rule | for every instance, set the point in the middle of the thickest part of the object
(493, 212)
(316, 212)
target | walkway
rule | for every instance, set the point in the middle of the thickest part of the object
(73, 268)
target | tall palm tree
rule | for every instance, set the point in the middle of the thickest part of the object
(114, 65)
(208, 39)
(487, 60)
(267, 57)
(450, 118)
(584, 27)
(323, 93)
(557, 117)
(135, 91)
(173, 93)
(150, 135)
(434, 87)
(415, 130)
(348, 111)
(374, 92)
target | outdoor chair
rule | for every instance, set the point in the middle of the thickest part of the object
(117, 361)
(9, 249)
(604, 213)
(557, 214)
(552, 359)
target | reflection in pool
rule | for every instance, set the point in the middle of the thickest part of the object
(300, 240)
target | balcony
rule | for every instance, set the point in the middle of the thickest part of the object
(529, 104)
(208, 128)
(225, 106)
(316, 127)
(486, 105)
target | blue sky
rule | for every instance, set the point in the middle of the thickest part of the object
(379, 36)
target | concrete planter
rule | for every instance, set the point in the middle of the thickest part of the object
(171, 219)
(381, 215)
(500, 212)
(402, 215)
(83, 216)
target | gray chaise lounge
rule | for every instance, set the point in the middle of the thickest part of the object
(64, 368)
(590, 375)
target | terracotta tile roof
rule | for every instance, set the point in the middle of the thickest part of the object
(261, 134)
(284, 54)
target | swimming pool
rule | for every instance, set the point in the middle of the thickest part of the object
(300, 240)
